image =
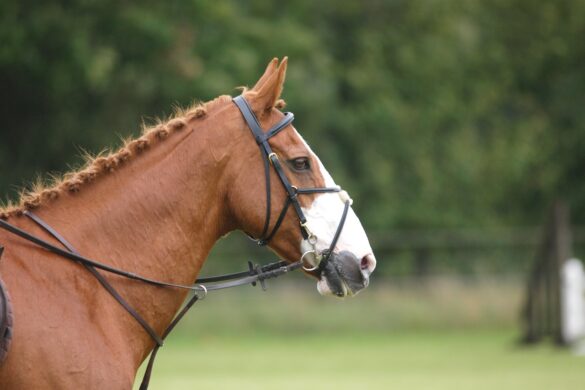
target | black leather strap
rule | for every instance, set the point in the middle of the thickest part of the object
(287, 120)
(100, 278)
(327, 254)
(268, 158)
(253, 275)
(268, 194)
(249, 277)
(265, 268)
(291, 191)
(254, 124)
(305, 191)
(279, 220)
(150, 365)
(79, 258)
(268, 155)
(258, 275)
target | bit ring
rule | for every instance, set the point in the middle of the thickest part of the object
(308, 269)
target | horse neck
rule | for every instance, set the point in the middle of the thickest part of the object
(158, 216)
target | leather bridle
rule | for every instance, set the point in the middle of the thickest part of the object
(255, 274)
(292, 192)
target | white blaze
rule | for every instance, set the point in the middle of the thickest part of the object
(323, 217)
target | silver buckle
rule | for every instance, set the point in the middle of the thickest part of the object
(204, 289)
(311, 238)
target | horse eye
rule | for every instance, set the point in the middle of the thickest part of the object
(301, 164)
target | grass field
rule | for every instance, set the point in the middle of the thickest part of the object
(403, 360)
(450, 335)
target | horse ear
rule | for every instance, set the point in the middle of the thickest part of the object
(272, 65)
(268, 93)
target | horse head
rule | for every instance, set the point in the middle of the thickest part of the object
(295, 207)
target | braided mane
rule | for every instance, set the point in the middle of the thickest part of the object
(41, 192)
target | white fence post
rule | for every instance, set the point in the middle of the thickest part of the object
(573, 302)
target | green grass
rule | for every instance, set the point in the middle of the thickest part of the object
(293, 305)
(402, 360)
(446, 333)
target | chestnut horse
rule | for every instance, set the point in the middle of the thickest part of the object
(156, 207)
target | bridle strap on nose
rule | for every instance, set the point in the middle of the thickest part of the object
(328, 252)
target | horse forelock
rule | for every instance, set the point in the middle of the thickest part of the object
(42, 192)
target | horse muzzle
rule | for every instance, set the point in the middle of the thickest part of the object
(345, 274)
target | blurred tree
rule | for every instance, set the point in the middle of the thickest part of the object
(432, 113)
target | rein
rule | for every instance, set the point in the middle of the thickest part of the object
(255, 273)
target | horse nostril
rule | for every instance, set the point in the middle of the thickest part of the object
(368, 263)
(364, 264)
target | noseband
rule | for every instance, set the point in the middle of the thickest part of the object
(292, 192)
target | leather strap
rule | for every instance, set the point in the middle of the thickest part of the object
(265, 268)
(252, 276)
(150, 365)
(83, 260)
(329, 251)
(100, 278)
(305, 191)
(254, 124)
(269, 156)
(275, 269)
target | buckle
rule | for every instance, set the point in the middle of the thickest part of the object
(270, 157)
(294, 193)
(311, 238)
(204, 289)
(256, 269)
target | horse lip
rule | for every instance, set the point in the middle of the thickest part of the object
(343, 275)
